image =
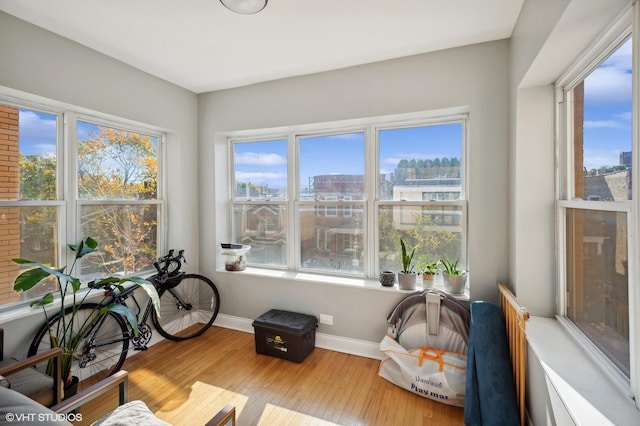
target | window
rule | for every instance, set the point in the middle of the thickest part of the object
(29, 206)
(112, 196)
(347, 194)
(117, 176)
(595, 208)
(260, 211)
(419, 164)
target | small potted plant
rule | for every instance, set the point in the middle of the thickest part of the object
(454, 278)
(429, 269)
(407, 276)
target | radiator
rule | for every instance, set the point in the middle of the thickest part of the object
(516, 316)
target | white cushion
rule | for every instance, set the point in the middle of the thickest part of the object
(132, 413)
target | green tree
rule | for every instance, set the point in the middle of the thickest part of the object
(112, 165)
(37, 177)
(120, 165)
(38, 182)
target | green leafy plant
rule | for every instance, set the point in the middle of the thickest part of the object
(451, 268)
(69, 335)
(428, 268)
(407, 267)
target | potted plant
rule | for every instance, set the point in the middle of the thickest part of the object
(455, 279)
(407, 276)
(68, 287)
(429, 269)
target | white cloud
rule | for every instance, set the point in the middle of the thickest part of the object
(596, 158)
(39, 133)
(260, 178)
(611, 81)
(625, 116)
(260, 159)
(593, 124)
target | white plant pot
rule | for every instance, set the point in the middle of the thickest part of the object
(407, 281)
(427, 280)
(455, 284)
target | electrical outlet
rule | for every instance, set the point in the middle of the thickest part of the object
(326, 319)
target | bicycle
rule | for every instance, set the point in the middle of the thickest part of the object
(189, 304)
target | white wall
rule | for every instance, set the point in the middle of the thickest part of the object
(38, 65)
(474, 76)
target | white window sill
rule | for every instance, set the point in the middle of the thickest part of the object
(581, 392)
(336, 280)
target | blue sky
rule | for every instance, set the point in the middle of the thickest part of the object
(265, 162)
(607, 110)
(38, 132)
(607, 132)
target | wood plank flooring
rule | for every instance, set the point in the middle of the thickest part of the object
(186, 383)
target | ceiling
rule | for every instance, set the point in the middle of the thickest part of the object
(203, 47)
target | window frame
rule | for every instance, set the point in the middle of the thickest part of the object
(371, 200)
(611, 39)
(68, 203)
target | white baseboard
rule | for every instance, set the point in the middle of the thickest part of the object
(325, 341)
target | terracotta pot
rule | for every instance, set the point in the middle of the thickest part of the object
(427, 280)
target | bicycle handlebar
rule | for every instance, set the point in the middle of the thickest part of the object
(167, 260)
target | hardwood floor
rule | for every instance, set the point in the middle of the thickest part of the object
(186, 383)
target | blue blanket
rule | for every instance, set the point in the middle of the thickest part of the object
(490, 396)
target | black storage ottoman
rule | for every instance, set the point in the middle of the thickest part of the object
(285, 334)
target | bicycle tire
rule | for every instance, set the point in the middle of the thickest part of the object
(107, 359)
(187, 309)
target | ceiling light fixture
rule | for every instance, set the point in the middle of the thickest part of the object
(244, 7)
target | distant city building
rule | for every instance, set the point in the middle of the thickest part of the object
(625, 158)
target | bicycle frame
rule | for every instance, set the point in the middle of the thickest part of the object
(120, 299)
(104, 333)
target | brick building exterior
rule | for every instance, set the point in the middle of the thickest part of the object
(9, 190)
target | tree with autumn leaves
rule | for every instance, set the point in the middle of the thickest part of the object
(111, 165)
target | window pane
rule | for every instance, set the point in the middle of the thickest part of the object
(126, 236)
(260, 169)
(264, 228)
(434, 231)
(333, 242)
(602, 130)
(597, 280)
(28, 163)
(116, 164)
(27, 233)
(421, 163)
(332, 166)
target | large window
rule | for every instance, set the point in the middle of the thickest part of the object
(117, 179)
(338, 201)
(102, 182)
(595, 203)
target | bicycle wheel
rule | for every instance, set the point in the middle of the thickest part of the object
(187, 309)
(101, 351)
